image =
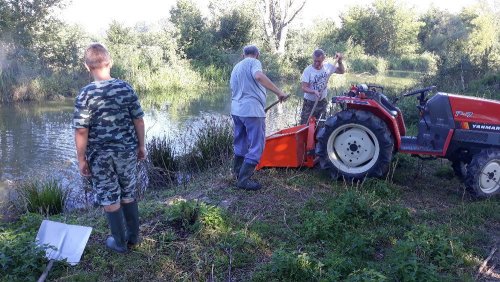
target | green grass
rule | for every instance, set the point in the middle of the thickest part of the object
(416, 226)
(20, 258)
(44, 197)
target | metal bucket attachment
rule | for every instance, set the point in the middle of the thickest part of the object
(289, 147)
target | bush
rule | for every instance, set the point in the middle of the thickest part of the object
(163, 164)
(278, 68)
(191, 216)
(213, 144)
(425, 252)
(425, 62)
(185, 215)
(46, 198)
(20, 258)
(367, 63)
(487, 87)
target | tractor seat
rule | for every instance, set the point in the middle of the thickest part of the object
(391, 109)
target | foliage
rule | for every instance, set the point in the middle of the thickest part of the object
(47, 197)
(466, 44)
(487, 87)
(36, 46)
(22, 21)
(385, 28)
(117, 34)
(348, 213)
(277, 69)
(276, 18)
(149, 65)
(427, 251)
(193, 40)
(234, 30)
(301, 45)
(367, 63)
(20, 258)
(204, 230)
(426, 63)
(213, 144)
(290, 267)
(192, 215)
(161, 153)
(185, 215)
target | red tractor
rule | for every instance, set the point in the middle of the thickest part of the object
(360, 140)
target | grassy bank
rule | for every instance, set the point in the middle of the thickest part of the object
(417, 225)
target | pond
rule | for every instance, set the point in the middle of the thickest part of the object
(37, 141)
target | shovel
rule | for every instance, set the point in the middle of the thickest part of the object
(62, 242)
(276, 102)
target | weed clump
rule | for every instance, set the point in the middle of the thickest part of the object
(21, 259)
(213, 145)
(191, 216)
(43, 197)
(163, 163)
(184, 215)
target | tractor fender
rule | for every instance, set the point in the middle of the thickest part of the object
(392, 122)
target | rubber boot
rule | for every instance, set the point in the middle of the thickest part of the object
(131, 214)
(244, 181)
(116, 242)
(237, 163)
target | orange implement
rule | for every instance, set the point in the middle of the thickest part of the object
(290, 147)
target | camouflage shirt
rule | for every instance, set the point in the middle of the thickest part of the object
(107, 108)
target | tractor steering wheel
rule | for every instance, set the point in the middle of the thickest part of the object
(422, 92)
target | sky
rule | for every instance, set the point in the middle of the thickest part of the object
(96, 15)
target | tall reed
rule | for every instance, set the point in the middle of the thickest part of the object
(163, 164)
(212, 145)
(44, 197)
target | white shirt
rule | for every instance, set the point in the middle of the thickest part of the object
(248, 95)
(318, 79)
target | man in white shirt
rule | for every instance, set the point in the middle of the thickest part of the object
(314, 84)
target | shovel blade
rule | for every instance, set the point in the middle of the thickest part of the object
(66, 241)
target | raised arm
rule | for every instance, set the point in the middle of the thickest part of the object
(340, 65)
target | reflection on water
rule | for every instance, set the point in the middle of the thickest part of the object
(37, 141)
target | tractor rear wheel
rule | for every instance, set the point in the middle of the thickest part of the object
(483, 173)
(355, 144)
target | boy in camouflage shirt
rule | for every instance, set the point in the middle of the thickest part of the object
(109, 137)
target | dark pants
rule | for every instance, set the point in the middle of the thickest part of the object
(307, 107)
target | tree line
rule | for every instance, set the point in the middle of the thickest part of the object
(41, 56)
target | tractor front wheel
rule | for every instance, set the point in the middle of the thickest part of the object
(355, 144)
(483, 173)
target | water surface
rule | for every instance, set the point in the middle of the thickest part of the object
(37, 141)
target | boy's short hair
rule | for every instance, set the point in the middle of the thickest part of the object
(97, 56)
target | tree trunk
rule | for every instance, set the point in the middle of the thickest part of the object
(278, 14)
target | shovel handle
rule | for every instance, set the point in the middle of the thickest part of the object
(276, 102)
(46, 271)
(312, 111)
